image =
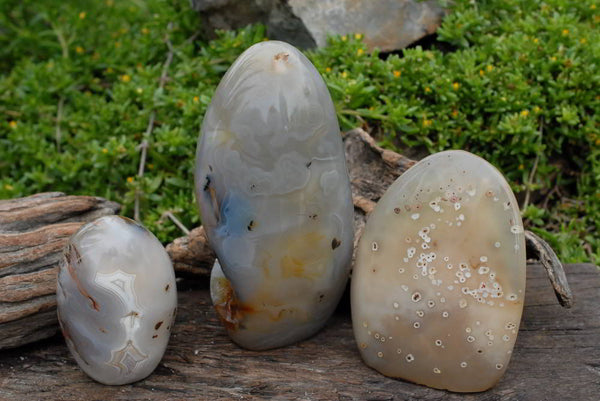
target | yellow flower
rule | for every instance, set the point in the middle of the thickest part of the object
(139, 90)
(130, 179)
(552, 58)
(524, 113)
(535, 40)
(565, 32)
(537, 110)
(109, 70)
(455, 86)
(8, 187)
(427, 89)
(583, 41)
(328, 69)
(397, 73)
(145, 31)
(598, 142)
(79, 49)
(521, 167)
(344, 38)
(358, 36)
(360, 52)
(196, 99)
(454, 113)
(481, 72)
(344, 74)
(104, 150)
(125, 78)
(82, 15)
(593, 7)
(489, 68)
(427, 123)
(117, 44)
(13, 124)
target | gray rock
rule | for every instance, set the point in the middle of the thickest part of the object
(385, 24)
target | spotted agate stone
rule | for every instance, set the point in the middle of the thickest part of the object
(438, 286)
(116, 299)
(274, 195)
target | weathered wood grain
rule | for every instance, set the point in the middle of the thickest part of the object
(33, 233)
(191, 255)
(540, 250)
(557, 357)
(24, 214)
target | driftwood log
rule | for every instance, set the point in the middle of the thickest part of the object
(557, 357)
(372, 170)
(33, 232)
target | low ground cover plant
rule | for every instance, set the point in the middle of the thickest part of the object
(84, 84)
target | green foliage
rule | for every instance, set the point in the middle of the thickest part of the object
(79, 82)
(520, 89)
(103, 62)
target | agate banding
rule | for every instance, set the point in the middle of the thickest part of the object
(274, 195)
(117, 300)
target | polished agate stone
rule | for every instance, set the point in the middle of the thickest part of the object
(116, 299)
(438, 286)
(274, 195)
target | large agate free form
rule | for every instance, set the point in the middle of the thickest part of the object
(438, 286)
(116, 299)
(274, 195)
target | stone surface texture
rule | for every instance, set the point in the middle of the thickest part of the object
(385, 24)
(117, 300)
(439, 281)
(274, 194)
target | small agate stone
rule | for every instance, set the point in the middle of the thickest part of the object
(116, 299)
(274, 193)
(438, 286)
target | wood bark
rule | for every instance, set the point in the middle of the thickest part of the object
(556, 357)
(33, 233)
(372, 170)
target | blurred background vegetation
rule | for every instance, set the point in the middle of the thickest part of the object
(514, 81)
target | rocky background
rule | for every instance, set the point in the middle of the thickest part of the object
(386, 24)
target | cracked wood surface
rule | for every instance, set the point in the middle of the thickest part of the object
(557, 357)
